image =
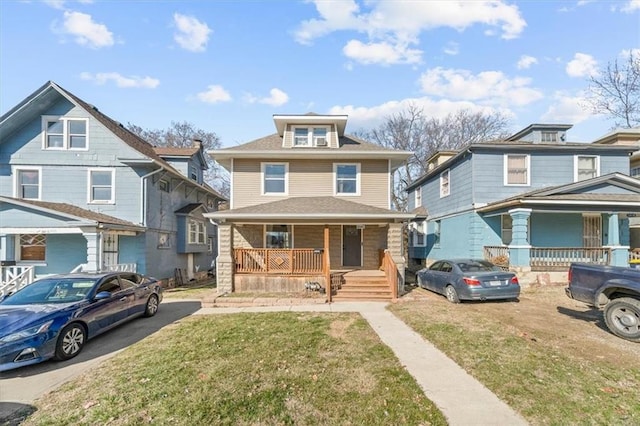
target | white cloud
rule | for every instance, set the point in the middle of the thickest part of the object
(566, 108)
(370, 117)
(192, 34)
(631, 6)
(214, 94)
(86, 31)
(276, 98)
(487, 87)
(381, 53)
(526, 61)
(452, 48)
(56, 4)
(121, 81)
(398, 24)
(582, 65)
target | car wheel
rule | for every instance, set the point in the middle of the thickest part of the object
(70, 342)
(152, 306)
(452, 294)
(622, 317)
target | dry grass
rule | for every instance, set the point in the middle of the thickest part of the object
(544, 356)
(247, 369)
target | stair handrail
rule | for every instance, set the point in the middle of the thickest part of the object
(391, 273)
(16, 277)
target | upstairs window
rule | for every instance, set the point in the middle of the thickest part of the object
(274, 179)
(586, 167)
(549, 137)
(197, 232)
(516, 169)
(193, 173)
(27, 183)
(418, 197)
(444, 183)
(347, 177)
(310, 136)
(101, 186)
(65, 133)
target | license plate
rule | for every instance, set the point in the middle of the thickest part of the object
(495, 283)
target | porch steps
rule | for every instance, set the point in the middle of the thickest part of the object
(364, 285)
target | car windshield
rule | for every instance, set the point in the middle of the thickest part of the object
(478, 266)
(50, 290)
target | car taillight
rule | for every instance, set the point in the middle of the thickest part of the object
(514, 280)
(471, 281)
(569, 275)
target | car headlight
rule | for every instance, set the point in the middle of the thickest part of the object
(27, 332)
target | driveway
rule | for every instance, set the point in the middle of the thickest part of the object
(20, 387)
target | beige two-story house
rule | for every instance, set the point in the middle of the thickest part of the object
(310, 204)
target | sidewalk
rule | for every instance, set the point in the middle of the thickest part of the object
(461, 398)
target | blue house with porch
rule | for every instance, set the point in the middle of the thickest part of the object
(531, 202)
(78, 191)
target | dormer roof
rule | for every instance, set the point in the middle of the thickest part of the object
(282, 120)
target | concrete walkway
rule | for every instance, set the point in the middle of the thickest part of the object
(461, 398)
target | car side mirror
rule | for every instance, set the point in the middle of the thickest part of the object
(102, 295)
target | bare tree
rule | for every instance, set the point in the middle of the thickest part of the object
(615, 91)
(411, 130)
(182, 135)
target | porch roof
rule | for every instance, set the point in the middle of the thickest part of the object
(84, 216)
(573, 196)
(331, 209)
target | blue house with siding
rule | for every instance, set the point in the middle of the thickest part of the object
(78, 191)
(532, 202)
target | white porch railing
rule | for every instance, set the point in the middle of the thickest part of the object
(13, 278)
(118, 267)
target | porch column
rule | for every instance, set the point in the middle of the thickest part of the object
(619, 253)
(394, 245)
(93, 251)
(520, 247)
(224, 261)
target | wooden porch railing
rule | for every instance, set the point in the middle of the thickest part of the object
(278, 261)
(392, 274)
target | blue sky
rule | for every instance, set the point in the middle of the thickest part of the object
(228, 66)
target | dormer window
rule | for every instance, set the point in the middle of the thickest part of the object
(549, 137)
(310, 136)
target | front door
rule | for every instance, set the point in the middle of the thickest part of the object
(351, 246)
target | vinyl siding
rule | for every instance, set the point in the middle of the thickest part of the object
(310, 178)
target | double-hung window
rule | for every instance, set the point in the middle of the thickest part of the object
(419, 234)
(65, 133)
(274, 178)
(310, 136)
(549, 136)
(27, 183)
(516, 169)
(197, 232)
(445, 183)
(101, 186)
(418, 197)
(347, 179)
(586, 167)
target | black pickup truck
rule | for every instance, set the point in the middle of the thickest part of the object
(612, 288)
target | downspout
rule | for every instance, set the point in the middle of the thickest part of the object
(143, 196)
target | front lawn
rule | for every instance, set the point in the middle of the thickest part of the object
(259, 369)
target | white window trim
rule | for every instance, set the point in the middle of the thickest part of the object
(335, 180)
(113, 185)
(420, 227)
(418, 197)
(448, 173)
(15, 170)
(65, 132)
(311, 138)
(201, 226)
(262, 178)
(576, 158)
(506, 170)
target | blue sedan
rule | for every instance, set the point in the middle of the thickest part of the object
(55, 316)
(469, 279)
